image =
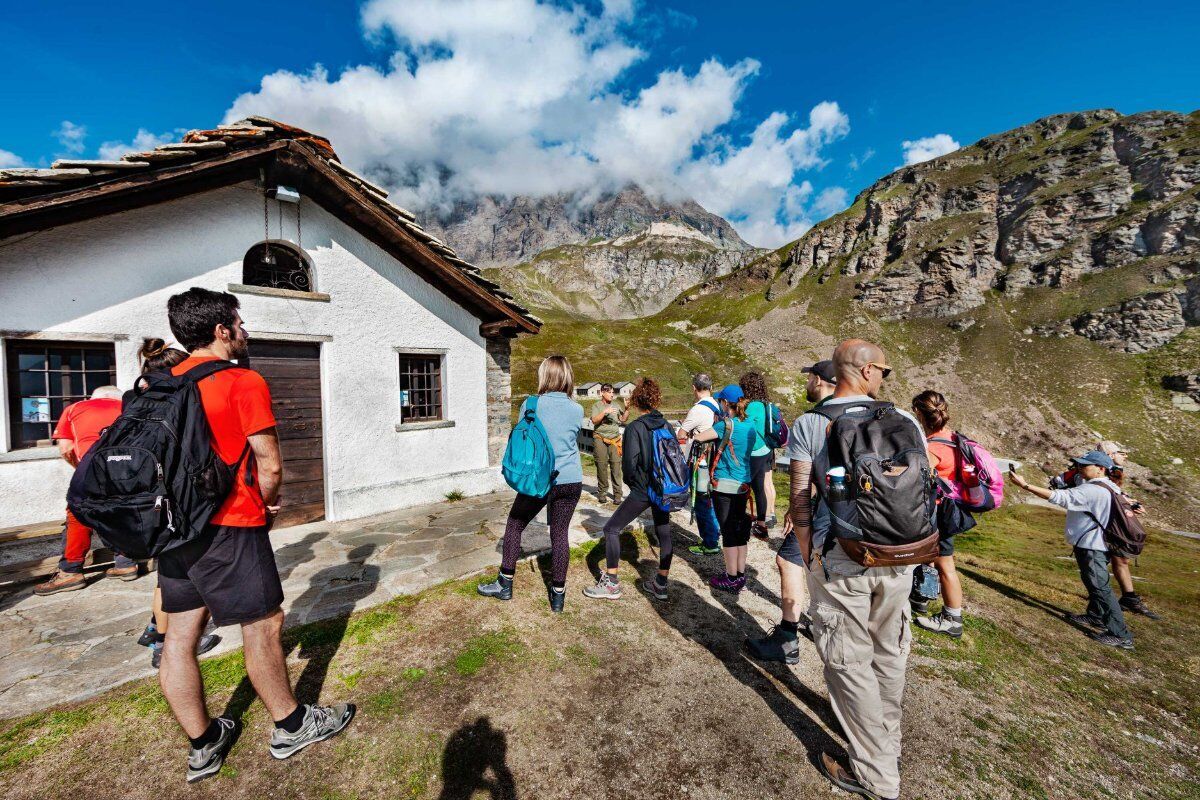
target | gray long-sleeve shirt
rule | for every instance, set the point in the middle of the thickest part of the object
(1082, 503)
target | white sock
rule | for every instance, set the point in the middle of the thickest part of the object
(952, 612)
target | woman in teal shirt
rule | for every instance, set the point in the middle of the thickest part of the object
(762, 460)
(731, 479)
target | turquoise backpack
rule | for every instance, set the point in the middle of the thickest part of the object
(529, 460)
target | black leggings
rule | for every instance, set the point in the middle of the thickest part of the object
(732, 517)
(629, 510)
(562, 499)
(760, 473)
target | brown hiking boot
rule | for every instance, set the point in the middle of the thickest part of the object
(61, 582)
(122, 573)
(844, 780)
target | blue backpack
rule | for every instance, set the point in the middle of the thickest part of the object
(670, 478)
(529, 459)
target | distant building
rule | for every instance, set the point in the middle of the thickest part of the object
(591, 389)
(387, 355)
(623, 389)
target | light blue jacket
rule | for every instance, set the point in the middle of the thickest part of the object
(562, 418)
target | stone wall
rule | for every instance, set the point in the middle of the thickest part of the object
(499, 397)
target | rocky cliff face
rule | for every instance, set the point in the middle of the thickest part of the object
(629, 276)
(1044, 205)
(502, 232)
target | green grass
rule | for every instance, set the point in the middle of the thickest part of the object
(484, 649)
(454, 496)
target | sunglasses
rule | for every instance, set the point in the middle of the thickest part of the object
(883, 368)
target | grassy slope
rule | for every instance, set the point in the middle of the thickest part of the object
(1021, 707)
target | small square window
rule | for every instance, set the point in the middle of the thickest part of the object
(420, 388)
(46, 377)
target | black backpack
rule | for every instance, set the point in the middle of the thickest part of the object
(888, 516)
(152, 480)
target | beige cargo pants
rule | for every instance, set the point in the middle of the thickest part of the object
(860, 628)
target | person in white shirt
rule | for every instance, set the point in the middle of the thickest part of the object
(701, 417)
(1088, 506)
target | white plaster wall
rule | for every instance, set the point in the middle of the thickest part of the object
(112, 276)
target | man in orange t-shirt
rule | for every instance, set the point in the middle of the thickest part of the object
(77, 430)
(230, 570)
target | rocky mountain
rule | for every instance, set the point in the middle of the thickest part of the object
(1042, 206)
(504, 231)
(633, 275)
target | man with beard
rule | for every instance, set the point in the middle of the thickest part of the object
(230, 569)
(783, 643)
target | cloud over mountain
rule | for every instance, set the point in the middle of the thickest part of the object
(517, 97)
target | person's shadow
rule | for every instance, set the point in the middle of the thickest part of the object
(338, 587)
(472, 752)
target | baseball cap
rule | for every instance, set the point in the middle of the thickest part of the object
(731, 393)
(823, 370)
(1094, 457)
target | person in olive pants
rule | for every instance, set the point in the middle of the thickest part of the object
(607, 417)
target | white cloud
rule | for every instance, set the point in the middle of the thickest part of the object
(143, 140)
(70, 136)
(928, 147)
(519, 97)
(830, 201)
(9, 160)
(856, 162)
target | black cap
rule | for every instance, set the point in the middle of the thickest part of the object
(823, 370)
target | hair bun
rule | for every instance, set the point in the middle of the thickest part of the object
(152, 346)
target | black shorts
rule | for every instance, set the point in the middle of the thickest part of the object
(946, 546)
(790, 550)
(230, 571)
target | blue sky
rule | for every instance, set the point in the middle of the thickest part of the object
(509, 96)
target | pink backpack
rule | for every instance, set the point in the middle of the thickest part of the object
(989, 493)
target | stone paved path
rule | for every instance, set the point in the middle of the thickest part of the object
(74, 645)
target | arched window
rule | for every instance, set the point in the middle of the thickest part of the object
(277, 265)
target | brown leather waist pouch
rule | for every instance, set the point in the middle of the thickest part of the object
(890, 555)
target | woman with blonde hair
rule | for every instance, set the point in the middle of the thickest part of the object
(562, 418)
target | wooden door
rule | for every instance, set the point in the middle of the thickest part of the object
(293, 371)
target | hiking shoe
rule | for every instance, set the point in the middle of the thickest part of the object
(604, 589)
(651, 587)
(1108, 640)
(1086, 621)
(1135, 604)
(759, 529)
(772, 522)
(61, 582)
(501, 588)
(149, 635)
(207, 760)
(206, 643)
(942, 623)
(320, 723)
(775, 646)
(844, 780)
(131, 573)
(919, 604)
(726, 583)
(704, 550)
(557, 600)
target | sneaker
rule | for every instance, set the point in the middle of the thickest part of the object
(501, 588)
(1086, 621)
(775, 646)
(320, 723)
(652, 588)
(942, 623)
(130, 573)
(148, 635)
(207, 760)
(206, 643)
(759, 529)
(704, 550)
(919, 606)
(605, 589)
(1135, 604)
(772, 522)
(726, 583)
(557, 600)
(61, 582)
(844, 780)
(1108, 640)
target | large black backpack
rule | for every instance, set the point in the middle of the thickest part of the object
(888, 516)
(152, 480)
